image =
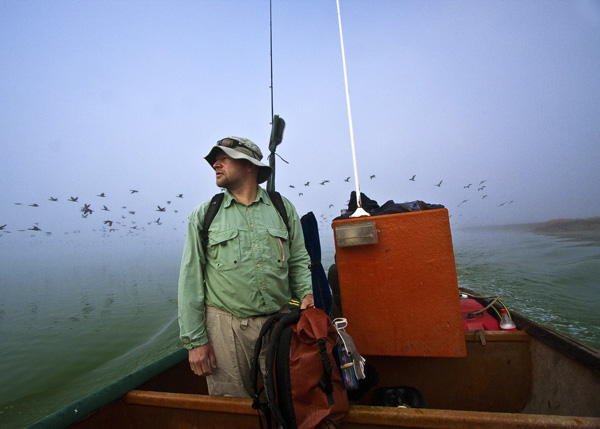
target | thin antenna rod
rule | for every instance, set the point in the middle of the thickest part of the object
(359, 211)
(271, 53)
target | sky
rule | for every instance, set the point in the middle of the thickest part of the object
(498, 101)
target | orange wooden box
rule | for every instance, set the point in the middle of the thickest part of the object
(400, 296)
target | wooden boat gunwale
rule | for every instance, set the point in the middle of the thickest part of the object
(87, 405)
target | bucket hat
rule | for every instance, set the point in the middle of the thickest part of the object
(241, 148)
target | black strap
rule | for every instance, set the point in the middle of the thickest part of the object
(211, 212)
(259, 403)
(217, 200)
(278, 203)
(271, 396)
(325, 381)
(268, 325)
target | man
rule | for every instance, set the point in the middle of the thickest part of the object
(249, 268)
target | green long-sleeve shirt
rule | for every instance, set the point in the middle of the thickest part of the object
(251, 265)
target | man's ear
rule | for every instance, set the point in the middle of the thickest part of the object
(252, 167)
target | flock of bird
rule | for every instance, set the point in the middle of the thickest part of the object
(480, 187)
(110, 223)
(125, 220)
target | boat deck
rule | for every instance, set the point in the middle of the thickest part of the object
(500, 383)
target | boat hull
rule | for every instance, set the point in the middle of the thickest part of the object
(507, 379)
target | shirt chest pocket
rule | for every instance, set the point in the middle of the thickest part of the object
(223, 250)
(279, 246)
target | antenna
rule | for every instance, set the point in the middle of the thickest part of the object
(277, 123)
(359, 211)
(271, 53)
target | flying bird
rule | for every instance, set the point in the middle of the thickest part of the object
(34, 228)
(108, 222)
(73, 199)
(482, 182)
(482, 188)
(484, 196)
(86, 210)
(2, 227)
(330, 205)
(307, 183)
(292, 186)
(439, 184)
(52, 199)
(160, 209)
(179, 196)
(105, 209)
(468, 186)
(300, 194)
(463, 201)
(101, 195)
(34, 205)
(413, 178)
(347, 179)
(133, 191)
(372, 176)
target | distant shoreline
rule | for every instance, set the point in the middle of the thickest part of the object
(572, 229)
(587, 229)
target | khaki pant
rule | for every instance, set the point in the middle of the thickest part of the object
(233, 339)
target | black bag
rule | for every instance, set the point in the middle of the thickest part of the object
(302, 382)
(398, 397)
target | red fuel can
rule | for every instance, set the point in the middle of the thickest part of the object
(483, 321)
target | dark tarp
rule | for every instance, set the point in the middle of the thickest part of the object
(389, 207)
(321, 289)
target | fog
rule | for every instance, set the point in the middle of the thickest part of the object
(495, 102)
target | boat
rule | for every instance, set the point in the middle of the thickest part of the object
(417, 330)
(422, 335)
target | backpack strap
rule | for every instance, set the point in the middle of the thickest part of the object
(325, 381)
(278, 203)
(270, 392)
(211, 212)
(217, 200)
(258, 403)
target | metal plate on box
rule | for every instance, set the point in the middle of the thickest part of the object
(356, 234)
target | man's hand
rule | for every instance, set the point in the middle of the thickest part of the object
(202, 359)
(307, 302)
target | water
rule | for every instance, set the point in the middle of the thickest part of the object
(76, 318)
(551, 280)
(77, 315)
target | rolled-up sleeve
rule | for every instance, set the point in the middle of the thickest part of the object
(191, 310)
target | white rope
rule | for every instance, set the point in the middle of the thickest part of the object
(359, 211)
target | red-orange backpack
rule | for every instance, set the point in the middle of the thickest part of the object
(303, 385)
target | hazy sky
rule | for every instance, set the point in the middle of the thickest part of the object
(109, 96)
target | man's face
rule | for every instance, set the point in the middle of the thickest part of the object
(230, 173)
